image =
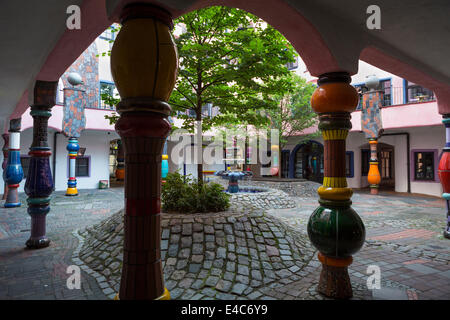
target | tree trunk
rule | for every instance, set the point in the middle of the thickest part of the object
(200, 173)
(245, 153)
(198, 117)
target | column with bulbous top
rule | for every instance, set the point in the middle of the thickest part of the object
(334, 228)
(372, 127)
(13, 173)
(144, 66)
(39, 184)
(5, 161)
(444, 172)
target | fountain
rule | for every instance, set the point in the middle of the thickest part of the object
(233, 177)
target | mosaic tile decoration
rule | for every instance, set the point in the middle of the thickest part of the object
(371, 114)
(87, 67)
(74, 120)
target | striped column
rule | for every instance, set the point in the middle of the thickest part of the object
(144, 67)
(72, 148)
(13, 173)
(5, 161)
(39, 184)
(334, 228)
(444, 172)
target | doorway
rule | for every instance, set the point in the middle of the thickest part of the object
(309, 162)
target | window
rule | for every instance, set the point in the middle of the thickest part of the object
(207, 110)
(109, 35)
(60, 93)
(365, 158)
(386, 164)
(25, 163)
(107, 90)
(415, 93)
(192, 113)
(349, 172)
(385, 86)
(424, 165)
(292, 65)
(82, 165)
(361, 89)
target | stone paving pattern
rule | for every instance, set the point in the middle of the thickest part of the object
(224, 255)
(240, 254)
(41, 274)
(269, 199)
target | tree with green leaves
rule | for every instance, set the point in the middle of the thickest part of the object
(294, 113)
(233, 60)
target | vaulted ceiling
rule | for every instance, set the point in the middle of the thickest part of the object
(413, 42)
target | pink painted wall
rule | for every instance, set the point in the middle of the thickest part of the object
(95, 119)
(407, 115)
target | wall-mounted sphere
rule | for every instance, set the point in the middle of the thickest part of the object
(74, 79)
(372, 82)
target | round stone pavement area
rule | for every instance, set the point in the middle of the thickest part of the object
(223, 255)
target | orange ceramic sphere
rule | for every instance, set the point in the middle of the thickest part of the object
(334, 97)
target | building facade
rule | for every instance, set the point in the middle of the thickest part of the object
(409, 148)
(93, 158)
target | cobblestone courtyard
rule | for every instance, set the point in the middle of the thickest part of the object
(256, 252)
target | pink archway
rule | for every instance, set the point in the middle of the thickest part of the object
(301, 32)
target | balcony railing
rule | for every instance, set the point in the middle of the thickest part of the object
(102, 106)
(399, 95)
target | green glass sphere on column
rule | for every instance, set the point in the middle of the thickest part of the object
(336, 231)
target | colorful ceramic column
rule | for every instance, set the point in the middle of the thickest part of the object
(39, 184)
(74, 122)
(334, 228)
(444, 172)
(372, 127)
(120, 169)
(274, 165)
(13, 173)
(72, 148)
(144, 66)
(5, 161)
(164, 163)
(373, 176)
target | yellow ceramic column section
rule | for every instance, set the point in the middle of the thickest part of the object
(334, 182)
